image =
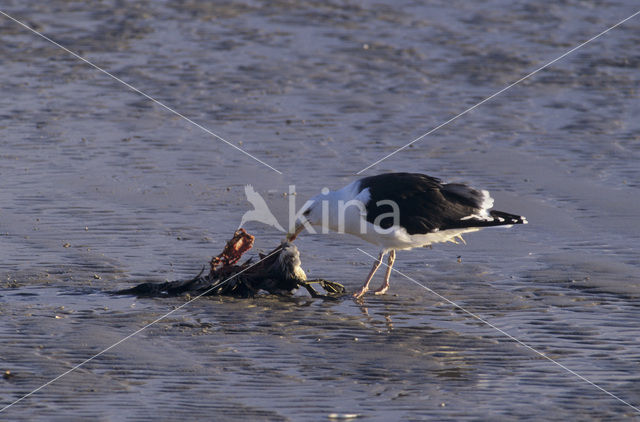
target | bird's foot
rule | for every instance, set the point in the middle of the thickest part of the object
(360, 293)
(382, 290)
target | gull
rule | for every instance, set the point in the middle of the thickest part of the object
(396, 211)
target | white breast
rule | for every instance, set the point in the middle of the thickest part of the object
(397, 237)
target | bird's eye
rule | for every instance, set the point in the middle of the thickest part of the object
(307, 212)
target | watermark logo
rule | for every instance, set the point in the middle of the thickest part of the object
(260, 212)
(327, 211)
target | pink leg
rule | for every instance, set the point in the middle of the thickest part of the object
(385, 286)
(365, 287)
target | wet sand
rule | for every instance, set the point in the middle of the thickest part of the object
(102, 189)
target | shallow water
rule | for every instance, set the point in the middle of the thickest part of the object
(101, 188)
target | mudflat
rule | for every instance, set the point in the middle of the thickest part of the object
(101, 189)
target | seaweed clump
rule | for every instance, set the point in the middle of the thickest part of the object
(278, 272)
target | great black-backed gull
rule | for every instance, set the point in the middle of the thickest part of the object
(401, 211)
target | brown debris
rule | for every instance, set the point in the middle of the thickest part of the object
(240, 243)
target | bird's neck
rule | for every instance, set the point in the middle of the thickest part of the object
(343, 211)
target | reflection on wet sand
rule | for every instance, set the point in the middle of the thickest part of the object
(388, 322)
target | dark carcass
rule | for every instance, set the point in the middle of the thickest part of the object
(278, 272)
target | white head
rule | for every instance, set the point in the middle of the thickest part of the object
(341, 211)
(310, 214)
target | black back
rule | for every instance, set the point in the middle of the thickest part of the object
(426, 204)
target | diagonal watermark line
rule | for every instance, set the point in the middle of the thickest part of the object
(501, 331)
(136, 332)
(133, 88)
(499, 92)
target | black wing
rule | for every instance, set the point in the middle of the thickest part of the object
(427, 205)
